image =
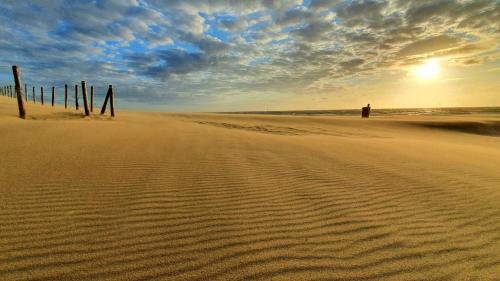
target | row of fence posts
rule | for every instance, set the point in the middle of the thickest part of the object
(7, 91)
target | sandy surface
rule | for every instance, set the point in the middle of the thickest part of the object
(241, 197)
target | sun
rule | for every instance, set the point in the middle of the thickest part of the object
(428, 70)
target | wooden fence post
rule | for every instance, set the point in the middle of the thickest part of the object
(65, 95)
(26, 91)
(19, 92)
(91, 98)
(85, 99)
(53, 95)
(76, 96)
(112, 101)
(10, 90)
(41, 94)
(34, 98)
(103, 109)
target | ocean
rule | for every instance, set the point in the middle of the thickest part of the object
(383, 112)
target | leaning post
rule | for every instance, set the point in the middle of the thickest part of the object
(103, 109)
(19, 92)
(85, 98)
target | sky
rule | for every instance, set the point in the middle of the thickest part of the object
(183, 55)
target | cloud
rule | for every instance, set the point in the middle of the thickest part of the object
(355, 13)
(314, 30)
(429, 45)
(323, 4)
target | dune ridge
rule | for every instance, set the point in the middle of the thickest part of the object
(189, 197)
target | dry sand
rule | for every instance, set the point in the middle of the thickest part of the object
(152, 196)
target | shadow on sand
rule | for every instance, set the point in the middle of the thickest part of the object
(67, 116)
(490, 128)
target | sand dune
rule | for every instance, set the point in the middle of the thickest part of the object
(152, 196)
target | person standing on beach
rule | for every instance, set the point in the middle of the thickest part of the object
(365, 111)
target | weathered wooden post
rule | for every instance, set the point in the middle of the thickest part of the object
(91, 98)
(112, 101)
(76, 96)
(10, 90)
(65, 95)
(19, 92)
(53, 95)
(85, 99)
(41, 94)
(34, 98)
(103, 109)
(26, 91)
(111, 97)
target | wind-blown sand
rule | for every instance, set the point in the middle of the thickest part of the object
(152, 196)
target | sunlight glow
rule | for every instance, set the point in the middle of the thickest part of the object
(429, 70)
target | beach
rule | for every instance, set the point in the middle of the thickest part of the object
(205, 196)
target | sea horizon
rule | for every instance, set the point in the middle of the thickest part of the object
(432, 111)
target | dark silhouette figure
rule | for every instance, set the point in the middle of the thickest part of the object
(365, 111)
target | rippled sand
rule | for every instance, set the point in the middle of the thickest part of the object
(152, 196)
